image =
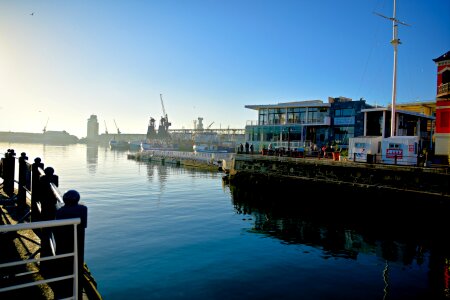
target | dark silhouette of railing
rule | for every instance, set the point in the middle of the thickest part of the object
(40, 187)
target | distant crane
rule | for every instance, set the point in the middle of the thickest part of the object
(45, 127)
(209, 126)
(164, 110)
(118, 131)
(165, 119)
(106, 128)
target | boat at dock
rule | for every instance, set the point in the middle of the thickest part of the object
(150, 145)
(158, 139)
(119, 145)
(135, 145)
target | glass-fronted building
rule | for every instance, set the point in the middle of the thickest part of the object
(312, 124)
(306, 124)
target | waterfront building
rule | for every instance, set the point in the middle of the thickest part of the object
(309, 123)
(92, 128)
(427, 108)
(408, 123)
(346, 119)
(442, 135)
(306, 123)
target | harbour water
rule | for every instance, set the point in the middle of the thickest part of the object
(167, 232)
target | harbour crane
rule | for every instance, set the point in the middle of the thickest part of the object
(165, 119)
(45, 127)
(106, 128)
(163, 109)
(118, 131)
(209, 126)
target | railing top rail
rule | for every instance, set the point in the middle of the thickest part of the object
(40, 224)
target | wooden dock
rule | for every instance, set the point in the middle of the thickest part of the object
(202, 160)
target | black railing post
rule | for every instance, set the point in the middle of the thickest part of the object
(47, 198)
(35, 191)
(9, 165)
(23, 172)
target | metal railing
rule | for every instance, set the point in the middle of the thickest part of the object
(40, 225)
(22, 184)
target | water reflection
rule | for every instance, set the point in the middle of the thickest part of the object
(157, 172)
(408, 235)
(92, 158)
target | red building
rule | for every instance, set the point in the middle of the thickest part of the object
(442, 134)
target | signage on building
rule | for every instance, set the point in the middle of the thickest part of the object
(394, 153)
(344, 121)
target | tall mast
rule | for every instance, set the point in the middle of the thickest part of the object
(395, 42)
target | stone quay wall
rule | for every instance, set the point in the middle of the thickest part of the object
(320, 173)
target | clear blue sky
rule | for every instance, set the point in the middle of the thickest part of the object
(208, 58)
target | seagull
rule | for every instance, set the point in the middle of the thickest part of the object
(32, 14)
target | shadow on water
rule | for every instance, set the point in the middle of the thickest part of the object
(344, 222)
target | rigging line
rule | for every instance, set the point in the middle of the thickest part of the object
(375, 38)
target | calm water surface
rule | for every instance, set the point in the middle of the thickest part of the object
(164, 232)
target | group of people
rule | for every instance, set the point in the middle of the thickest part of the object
(248, 148)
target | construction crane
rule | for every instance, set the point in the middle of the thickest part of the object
(118, 131)
(163, 109)
(209, 126)
(106, 128)
(165, 119)
(45, 127)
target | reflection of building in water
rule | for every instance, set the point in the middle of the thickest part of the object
(401, 242)
(92, 129)
(156, 171)
(92, 158)
(400, 236)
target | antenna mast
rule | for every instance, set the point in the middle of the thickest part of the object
(395, 42)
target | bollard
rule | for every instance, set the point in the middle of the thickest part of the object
(23, 174)
(35, 191)
(9, 165)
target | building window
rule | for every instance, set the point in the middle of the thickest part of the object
(344, 112)
(342, 134)
(276, 116)
(316, 114)
(296, 115)
(263, 118)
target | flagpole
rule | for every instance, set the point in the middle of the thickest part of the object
(395, 42)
